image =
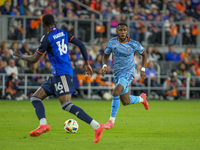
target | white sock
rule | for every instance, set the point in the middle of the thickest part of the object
(112, 119)
(141, 99)
(95, 125)
(43, 121)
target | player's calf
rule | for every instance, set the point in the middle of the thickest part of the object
(125, 102)
(125, 99)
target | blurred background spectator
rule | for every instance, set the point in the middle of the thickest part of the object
(172, 55)
(25, 48)
(171, 86)
(94, 52)
(6, 8)
(47, 68)
(157, 54)
(11, 68)
(11, 87)
(7, 56)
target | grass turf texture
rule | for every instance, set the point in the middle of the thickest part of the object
(173, 125)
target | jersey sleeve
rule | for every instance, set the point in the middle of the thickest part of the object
(81, 47)
(108, 49)
(43, 45)
(70, 37)
(139, 48)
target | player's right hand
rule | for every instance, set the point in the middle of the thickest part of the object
(88, 70)
(16, 53)
(103, 71)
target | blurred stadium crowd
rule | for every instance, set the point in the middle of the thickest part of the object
(167, 12)
(162, 11)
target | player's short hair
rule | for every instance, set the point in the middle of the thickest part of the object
(48, 20)
(122, 23)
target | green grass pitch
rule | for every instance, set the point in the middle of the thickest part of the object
(167, 125)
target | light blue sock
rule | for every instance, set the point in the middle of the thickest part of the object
(115, 106)
(134, 99)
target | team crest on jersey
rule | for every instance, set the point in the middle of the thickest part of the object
(128, 49)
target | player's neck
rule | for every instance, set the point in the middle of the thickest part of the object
(123, 41)
(47, 29)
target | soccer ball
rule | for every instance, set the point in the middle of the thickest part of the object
(71, 126)
(107, 96)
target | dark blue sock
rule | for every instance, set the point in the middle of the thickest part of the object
(39, 107)
(68, 106)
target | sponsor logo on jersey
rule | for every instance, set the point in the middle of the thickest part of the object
(121, 54)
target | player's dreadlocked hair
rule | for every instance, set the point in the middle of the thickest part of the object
(122, 23)
(48, 20)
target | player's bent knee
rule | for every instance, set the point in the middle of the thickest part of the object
(33, 98)
(67, 106)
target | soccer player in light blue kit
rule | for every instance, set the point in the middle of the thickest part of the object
(123, 49)
(55, 44)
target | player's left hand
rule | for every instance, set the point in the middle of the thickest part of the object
(143, 75)
(16, 53)
(88, 70)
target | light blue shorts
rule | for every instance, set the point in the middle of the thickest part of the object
(124, 80)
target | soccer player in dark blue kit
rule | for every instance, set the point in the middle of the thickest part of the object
(55, 43)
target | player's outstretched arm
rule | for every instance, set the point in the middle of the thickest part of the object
(30, 58)
(88, 68)
(144, 62)
(105, 61)
(81, 47)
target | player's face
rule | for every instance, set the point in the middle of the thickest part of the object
(122, 32)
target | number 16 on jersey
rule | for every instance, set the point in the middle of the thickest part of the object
(62, 47)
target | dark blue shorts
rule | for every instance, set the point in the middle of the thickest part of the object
(59, 85)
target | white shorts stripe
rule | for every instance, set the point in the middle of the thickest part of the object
(65, 84)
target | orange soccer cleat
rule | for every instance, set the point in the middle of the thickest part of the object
(41, 129)
(109, 125)
(145, 103)
(98, 133)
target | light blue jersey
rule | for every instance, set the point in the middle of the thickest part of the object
(124, 66)
(123, 55)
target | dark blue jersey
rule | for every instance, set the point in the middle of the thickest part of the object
(55, 43)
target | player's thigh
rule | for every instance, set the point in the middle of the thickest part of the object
(125, 81)
(40, 93)
(65, 98)
(62, 85)
(118, 87)
(121, 86)
(125, 99)
(118, 90)
(63, 88)
(46, 89)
